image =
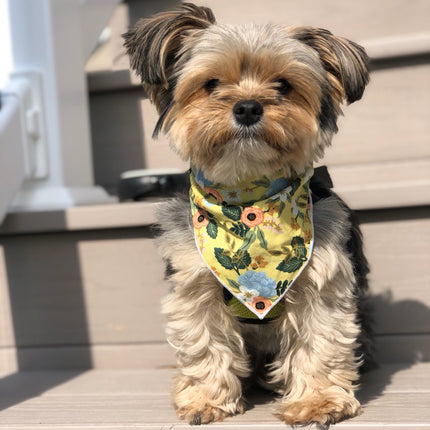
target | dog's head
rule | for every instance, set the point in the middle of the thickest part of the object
(245, 100)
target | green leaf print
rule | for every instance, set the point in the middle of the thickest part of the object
(303, 198)
(232, 212)
(241, 259)
(223, 259)
(299, 247)
(281, 208)
(263, 182)
(233, 284)
(295, 184)
(290, 266)
(281, 287)
(239, 229)
(295, 257)
(212, 229)
(248, 240)
(261, 238)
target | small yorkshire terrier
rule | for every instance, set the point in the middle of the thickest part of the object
(269, 279)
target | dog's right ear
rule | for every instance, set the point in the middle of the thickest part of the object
(155, 43)
(346, 63)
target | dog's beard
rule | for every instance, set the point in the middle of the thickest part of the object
(244, 156)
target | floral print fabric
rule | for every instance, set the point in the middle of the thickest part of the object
(256, 237)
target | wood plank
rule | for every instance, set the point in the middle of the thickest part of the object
(91, 217)
(399, 45)
(6, 321)
(8, 359)
(130, 399)
(85, 287)
(403, 377)
(398, 253)
(369, 20)
(158, 153)
(156, 379)
(59, 357)
(383, 185)
(117, 138)
(395, 349)
(379, 128)
(407, 348)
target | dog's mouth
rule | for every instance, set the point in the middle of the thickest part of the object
(255, 137)
(247, 133)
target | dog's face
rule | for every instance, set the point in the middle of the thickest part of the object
(248, 100)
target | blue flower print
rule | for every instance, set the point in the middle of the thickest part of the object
(200, 178)
(258, 281)
(276, 186)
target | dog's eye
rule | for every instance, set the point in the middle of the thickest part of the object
(283, 86)
(211, 85)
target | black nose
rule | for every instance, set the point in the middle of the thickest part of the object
(248, 112)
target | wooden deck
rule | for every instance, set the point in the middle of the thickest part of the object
(396, 396)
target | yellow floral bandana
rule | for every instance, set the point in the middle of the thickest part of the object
(255, 237)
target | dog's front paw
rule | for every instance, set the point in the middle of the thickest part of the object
(197, 404)
(320, 409)
(197, 414)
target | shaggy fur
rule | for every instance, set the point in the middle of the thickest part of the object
(195, 71)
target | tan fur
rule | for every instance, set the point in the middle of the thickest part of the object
(210, 350)
(313, 343)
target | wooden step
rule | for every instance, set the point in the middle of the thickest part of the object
(82, 287)
(396, 396)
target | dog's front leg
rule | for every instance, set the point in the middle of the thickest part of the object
(209, 348)
(317, 367)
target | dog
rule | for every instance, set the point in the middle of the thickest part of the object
(266, 264)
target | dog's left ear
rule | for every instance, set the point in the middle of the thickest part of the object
(346, 62)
